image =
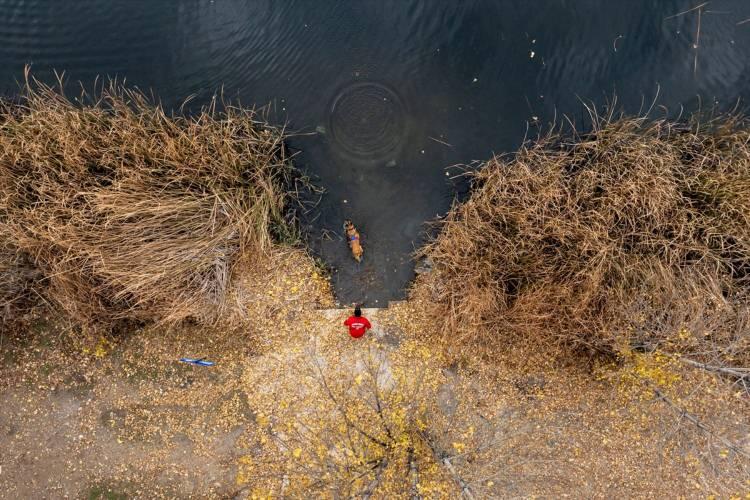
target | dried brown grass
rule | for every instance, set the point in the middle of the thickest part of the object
(18, 277)
(636, 234)
(132, 213)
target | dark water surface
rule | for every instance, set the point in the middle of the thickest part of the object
(394, 91)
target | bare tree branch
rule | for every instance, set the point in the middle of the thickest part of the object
(374, 483)
(738, 372)
(465, 490)
(682, 412)
(341, 410)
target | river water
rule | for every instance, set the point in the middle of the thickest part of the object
(387, 96)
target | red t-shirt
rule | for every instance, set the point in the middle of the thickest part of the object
(357, 326)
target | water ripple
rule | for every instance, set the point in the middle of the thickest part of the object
(367, 120)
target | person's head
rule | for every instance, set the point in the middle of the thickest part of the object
(357, 311)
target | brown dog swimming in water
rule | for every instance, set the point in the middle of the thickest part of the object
(352, 236)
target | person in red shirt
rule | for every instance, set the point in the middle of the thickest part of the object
(357, 324)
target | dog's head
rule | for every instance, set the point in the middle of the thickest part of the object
(348, 226)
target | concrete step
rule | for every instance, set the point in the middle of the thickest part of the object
(345, 312)
(335, 311)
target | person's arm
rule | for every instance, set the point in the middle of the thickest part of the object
(367, 323)
(346, 321)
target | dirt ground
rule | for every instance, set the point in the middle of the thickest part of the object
(87, 416)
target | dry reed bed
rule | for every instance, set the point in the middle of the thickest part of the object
(637, 234)
(17, 278)
(132, 213)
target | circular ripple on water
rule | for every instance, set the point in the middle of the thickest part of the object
(367, 120)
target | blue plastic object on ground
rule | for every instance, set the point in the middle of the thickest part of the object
(199, 362)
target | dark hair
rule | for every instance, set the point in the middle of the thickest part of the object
(357, 311)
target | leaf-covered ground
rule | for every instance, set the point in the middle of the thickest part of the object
(294, 407)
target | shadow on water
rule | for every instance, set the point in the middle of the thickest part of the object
(391, 93)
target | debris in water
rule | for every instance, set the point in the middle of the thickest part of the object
(441, 142)
(614, 43)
